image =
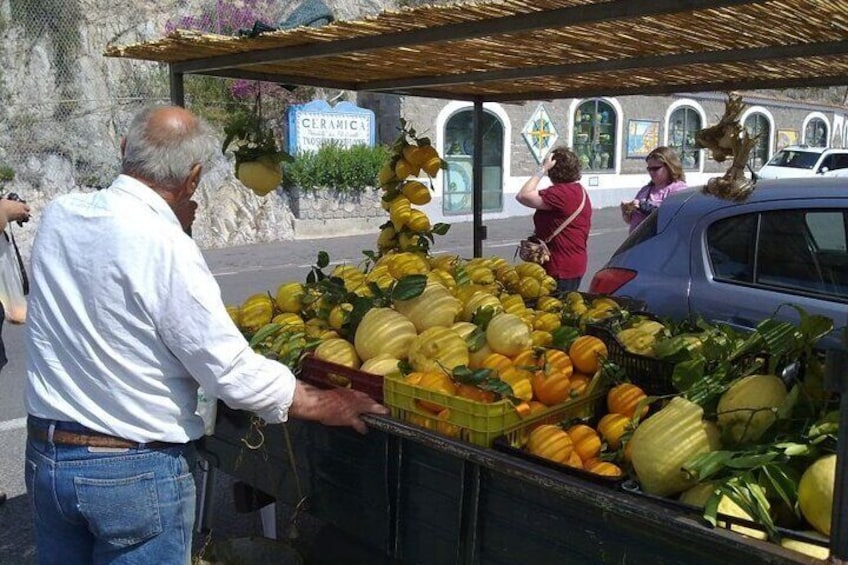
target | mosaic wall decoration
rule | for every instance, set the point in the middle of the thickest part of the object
(539, 133)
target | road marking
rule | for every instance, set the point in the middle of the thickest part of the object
(10, 425)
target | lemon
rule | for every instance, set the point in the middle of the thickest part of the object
(748, 407)
(261, 176)
(817, 551)
(418, 221)
(815, 493)
(339, 314)
(386, 175)
(404, 168)
(700, 493)
(289, 297)
(417, 193)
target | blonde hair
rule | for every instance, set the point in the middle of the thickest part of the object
(669, 158)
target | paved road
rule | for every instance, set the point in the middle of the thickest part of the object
(242, 271)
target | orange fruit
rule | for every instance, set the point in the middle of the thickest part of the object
(585, 352)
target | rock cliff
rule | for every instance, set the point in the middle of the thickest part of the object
(65, 106)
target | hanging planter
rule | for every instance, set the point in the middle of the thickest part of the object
(258, 157)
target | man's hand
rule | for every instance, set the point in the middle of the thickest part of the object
(14, 210)
(334, 407)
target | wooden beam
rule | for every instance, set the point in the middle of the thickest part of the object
(562, 17)
(297, 80)
(631, 63)
(672, 88)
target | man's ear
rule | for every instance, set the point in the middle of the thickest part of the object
(194, 178)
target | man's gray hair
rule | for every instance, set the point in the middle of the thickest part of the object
(166, 159)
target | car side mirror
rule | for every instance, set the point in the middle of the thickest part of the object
(823, 170)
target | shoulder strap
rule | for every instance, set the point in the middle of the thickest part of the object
(24, 278)
(569, 219)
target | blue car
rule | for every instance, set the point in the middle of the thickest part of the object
(740, 262)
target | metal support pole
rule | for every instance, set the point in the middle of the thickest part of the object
(477, 166)
(177, 87)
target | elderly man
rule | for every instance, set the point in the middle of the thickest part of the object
(125, 321)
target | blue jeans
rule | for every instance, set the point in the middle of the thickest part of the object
(119, 506)
(566, 285)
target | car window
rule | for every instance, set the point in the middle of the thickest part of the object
(731, 245)
(828, 230)
(803, 251)
(644, 231)
(795, 159)
(840, 161)
(790, 254)
(826, 164)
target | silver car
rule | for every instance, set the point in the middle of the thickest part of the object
(738, 263)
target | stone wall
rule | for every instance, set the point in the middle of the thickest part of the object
(333, 213)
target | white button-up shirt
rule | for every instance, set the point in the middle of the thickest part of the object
(125, 320)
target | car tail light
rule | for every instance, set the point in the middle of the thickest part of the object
(609, 280)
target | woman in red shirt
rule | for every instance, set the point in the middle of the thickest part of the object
(554, 205)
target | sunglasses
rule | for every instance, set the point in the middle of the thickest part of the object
(652, 169)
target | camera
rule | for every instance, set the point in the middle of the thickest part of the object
(14, 196)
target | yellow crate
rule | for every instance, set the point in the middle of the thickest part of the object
(478, 422)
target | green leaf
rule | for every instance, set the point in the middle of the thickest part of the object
(476, 339)
(711, 508)
(263, 333)
(409, 287)
(792, 449)
(687, 374)
(482, 316)
(749, 461)
(777, 481)
(440, 228)
(564, 336)
(469, 376)
(707, 465)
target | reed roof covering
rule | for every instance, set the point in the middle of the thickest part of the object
(506, 50)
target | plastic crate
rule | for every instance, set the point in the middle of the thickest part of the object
(477, 422)
(504, 445)
(654, 376)
(627, 303)
(324, 374)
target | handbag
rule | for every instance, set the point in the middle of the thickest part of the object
(535, 250)
(14, 284)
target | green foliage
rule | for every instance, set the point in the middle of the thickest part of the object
(350, 170)
(7, 173)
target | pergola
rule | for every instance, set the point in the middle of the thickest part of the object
(514, 50)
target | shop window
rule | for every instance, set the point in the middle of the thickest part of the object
(758, 125)
(683, 124)
(815, 134)
(459, 178)
(594, 136)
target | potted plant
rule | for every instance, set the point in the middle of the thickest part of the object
(255, 148)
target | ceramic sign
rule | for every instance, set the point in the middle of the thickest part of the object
(317, 123)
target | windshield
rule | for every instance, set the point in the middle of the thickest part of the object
(795, 159)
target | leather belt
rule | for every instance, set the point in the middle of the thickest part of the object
(93, 439)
